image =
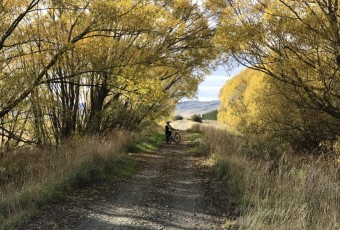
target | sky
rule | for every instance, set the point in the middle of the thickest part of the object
(209, 89)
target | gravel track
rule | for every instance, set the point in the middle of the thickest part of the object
(174, 190)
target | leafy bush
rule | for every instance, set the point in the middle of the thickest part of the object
(256, 106)
(196, 118)
(178, 117)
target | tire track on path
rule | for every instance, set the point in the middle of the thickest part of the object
(172, 191)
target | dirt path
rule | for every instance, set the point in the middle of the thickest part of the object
(174, 190)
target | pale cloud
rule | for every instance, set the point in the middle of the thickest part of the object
(209, 89)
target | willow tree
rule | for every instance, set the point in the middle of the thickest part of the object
(91, 66)
(253, 105)
(295, 42)
(140, 60)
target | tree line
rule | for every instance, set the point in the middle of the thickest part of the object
(82, 67)
(291, 90)
(70, 67)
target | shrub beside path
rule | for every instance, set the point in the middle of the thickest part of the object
(174, 189)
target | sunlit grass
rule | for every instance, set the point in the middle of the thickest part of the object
(148, 143)
(194, 136)
(286, 192)
(31, 178)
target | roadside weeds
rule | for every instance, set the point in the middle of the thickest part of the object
(287, 193)
(33, 178)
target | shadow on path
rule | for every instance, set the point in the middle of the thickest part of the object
(171, 192)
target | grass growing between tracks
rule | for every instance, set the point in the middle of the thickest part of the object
(287, 192)
(194, 143)
(149, 142)
(31, 178)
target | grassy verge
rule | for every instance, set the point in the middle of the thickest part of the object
(31, 178)
(194, 143)
(289, 192)
(148, 142)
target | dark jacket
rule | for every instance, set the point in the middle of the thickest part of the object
(168, 129)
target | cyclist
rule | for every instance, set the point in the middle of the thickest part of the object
(168, 130)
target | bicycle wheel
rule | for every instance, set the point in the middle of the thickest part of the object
(177, 138)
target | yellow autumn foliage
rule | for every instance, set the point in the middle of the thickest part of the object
(253, 104)
(295, 42)
(76, 67)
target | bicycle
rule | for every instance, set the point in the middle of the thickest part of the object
(174, 137)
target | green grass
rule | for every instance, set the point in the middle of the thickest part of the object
(197, 150)
(194, 143)
(21, 215)
(194, 136)
(148, 143)
(124, 167)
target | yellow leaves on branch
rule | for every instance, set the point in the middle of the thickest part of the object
(252, 103)
(295, 42)
(233, 109)
(103, 64)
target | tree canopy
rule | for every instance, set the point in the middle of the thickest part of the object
(80, 66)
(83, 67)
(252, 104)
(295, 42)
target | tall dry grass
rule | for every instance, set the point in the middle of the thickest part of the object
(286, 192)
(29, 178)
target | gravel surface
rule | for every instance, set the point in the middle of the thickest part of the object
(173, 190)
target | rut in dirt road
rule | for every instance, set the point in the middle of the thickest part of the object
(171, 192)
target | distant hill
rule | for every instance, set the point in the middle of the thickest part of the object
(188, 108)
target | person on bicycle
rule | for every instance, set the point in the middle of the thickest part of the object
(168, 130)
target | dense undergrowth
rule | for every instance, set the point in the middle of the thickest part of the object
(278, 190)
(31, 178)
